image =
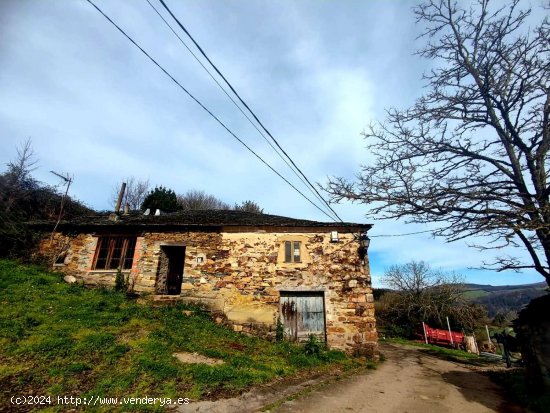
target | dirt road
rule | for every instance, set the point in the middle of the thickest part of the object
(408, 381)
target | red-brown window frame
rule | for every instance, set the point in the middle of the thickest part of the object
(128, 243)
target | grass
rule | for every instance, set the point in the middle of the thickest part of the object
(58, 339)
(473, 294)
(445, 353)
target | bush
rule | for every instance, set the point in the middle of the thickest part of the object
(279, 331)
(121, 283)
(399, 331)
(312, 346)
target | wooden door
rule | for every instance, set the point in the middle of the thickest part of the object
(302, 314)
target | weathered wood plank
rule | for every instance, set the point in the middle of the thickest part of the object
(303, 314)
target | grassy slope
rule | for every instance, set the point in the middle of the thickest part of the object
(60, 339)
(443, 352)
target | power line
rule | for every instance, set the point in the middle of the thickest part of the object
(204, 107)
(237, 105)
(400, 235)
(314, 193)
(246, 106)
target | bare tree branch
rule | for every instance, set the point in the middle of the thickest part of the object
(134, 195)
(472, 153)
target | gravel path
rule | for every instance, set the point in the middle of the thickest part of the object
(408, 381)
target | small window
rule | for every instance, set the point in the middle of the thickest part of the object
(292, 251)
(60, 259)
(113, 253)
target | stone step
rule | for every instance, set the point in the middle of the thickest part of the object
(161, 299)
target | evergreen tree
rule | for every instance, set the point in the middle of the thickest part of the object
(161, 198)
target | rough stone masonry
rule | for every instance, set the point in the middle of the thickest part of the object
(236, 267)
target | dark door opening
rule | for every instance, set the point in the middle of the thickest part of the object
(174, 269)
(303, 314)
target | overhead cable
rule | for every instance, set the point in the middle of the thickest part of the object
(246, 106)
(205, 108)
(401, 235)
(306, 183)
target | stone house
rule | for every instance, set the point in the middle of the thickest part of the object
(251, 269)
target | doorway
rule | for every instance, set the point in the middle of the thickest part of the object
(303, 314)
(171, 267)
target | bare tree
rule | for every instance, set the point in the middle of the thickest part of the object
(24, 199)
(15, 186)
(472, 153)
(67, 181)
(196, 200)
(422, 294)
(20, 169)
(136, 191)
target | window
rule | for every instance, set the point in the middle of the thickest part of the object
(292, 251)
(60, 259)
(113, 253)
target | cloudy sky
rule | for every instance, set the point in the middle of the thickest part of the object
(315, 72)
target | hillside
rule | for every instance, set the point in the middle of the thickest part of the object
(60, 339)
(498, 299)
(504, 298)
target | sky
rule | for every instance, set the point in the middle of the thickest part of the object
(315, 72)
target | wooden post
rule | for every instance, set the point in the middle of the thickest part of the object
(425, 336)
(68, 180)
(450, 333)
(120, 196)
(475, 342)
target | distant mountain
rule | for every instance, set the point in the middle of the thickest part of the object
(501, 299)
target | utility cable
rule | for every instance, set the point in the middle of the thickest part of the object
(235, 103)
(205, 108)
(246, 106)
(401, 235)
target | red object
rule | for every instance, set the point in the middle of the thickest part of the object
(442, 337)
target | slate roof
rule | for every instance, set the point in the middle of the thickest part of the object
(198, 219)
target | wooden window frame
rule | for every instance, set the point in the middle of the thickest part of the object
(127, 240)
(290, 252)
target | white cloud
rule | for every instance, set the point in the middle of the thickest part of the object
(315, 72)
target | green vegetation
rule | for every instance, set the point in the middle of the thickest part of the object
(161, 198)
(503, 301)
(279, 330)
(61, 339)
(444, 353)
(312, 347)
(420, 294)
(24, 199)
(474, 294)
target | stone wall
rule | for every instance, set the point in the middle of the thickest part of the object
(532, 329)
(241, 274)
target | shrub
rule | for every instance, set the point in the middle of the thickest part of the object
(279, 331)
(312, 346)
(121, 283)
